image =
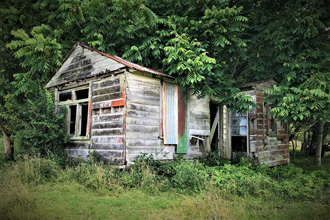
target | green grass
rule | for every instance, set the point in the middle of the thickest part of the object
(72, 201)
(2, 154)
(307, 162)
(29, 190)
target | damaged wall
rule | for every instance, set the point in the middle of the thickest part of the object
(268, 140)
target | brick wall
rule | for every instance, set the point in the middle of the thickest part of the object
(269, 146)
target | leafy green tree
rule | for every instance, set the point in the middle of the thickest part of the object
(290, 41)
(210, 46)
(193, 40)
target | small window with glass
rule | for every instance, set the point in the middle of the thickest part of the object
(239, 130)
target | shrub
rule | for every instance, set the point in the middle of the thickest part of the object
(190, 175)
(40, 130)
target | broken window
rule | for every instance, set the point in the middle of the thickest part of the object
(64, 96)
(82, 94)
(78, 113)
(73, 117)
(239, 132)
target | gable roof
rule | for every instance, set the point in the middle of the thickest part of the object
(125, 62)
(84, 62)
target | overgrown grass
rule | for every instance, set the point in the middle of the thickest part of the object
(2, 155)
(38, 188)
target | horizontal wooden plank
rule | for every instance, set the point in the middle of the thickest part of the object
(108, 104)
(106, 83)
(102, 125)
(107, 97)
(142, 100)
(108, 118)
(139, 128)
(141, 107)
(143, 142)
(113, 139)
(142, 121)
(107, 132)
(110, 153)
(113, 146)
(199, 132)
(144, 87)
(141, 114)
(199, 122)
(199, 127)
(133, 78)
(142, 135)
(199, 115)
(147, 93)
(150, 150)
(108, 90)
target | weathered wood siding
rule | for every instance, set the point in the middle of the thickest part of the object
(143, 118)
(199, 125)
(108, 117)
(82, 64)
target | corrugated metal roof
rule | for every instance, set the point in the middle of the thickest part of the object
(125, 62)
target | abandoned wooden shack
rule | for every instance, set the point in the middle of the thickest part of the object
(119, 110)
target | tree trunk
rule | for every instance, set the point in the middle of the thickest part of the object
(318, 142)
(313, 140)
(326, 131)
(9, 150)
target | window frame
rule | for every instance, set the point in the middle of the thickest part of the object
(238, 117)
(78, 103)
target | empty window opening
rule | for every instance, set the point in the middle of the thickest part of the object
(239, 143)
(239, 132)
(82, 94)
(84, 117)
(214, 108)
(73, 113)
(65, 96)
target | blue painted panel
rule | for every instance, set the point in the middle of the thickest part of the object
(171, 114)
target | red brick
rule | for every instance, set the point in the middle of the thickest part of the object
(283, 147)
(258, 98)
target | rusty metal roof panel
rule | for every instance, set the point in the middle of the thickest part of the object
(127, 63)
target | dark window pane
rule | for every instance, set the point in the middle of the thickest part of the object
(235, 131)
(82, 94)
(84, 117)
(65, 96)
(73, 113)
(234, 122)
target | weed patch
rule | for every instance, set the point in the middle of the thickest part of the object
(33, 187)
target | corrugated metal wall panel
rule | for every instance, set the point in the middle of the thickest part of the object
(171, 114)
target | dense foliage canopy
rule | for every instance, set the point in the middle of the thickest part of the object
(211, 46)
